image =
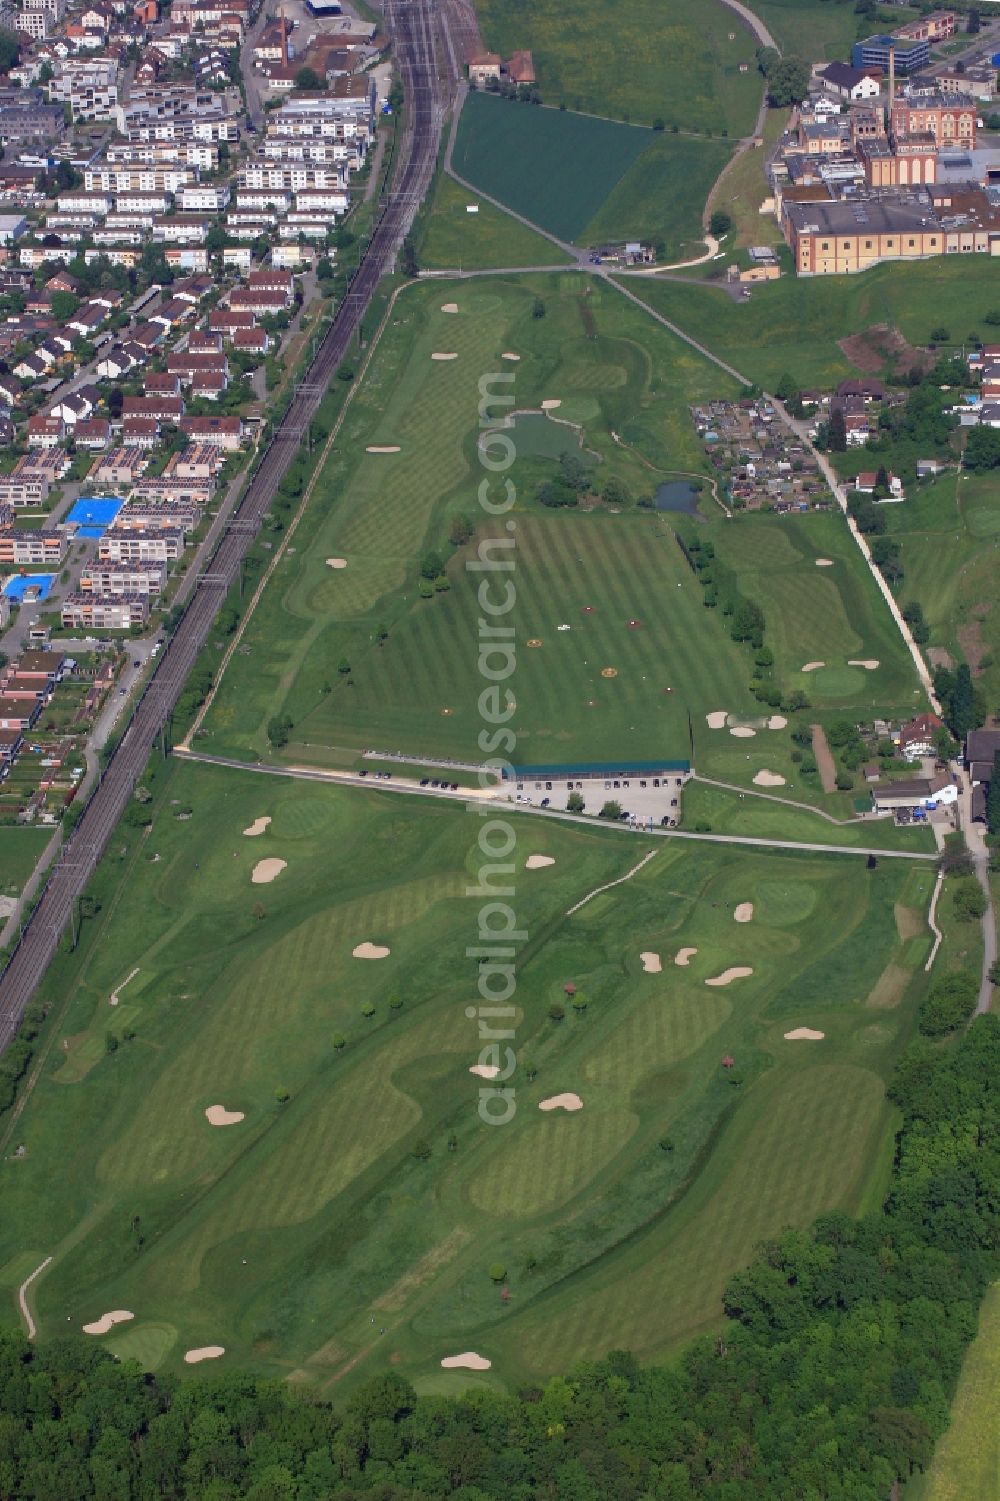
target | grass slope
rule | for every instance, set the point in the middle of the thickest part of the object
(456, 239)
(966, 1463)
(679, 63)
(351, 1227)
(661, 197)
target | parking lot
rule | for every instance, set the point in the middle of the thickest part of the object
(646, 800)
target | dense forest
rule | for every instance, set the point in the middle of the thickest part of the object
(831, 1378)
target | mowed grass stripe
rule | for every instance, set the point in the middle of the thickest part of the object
(662, 1029)
(805, 1153)
(549, 1162)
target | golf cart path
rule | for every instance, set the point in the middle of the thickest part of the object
(22, 1297)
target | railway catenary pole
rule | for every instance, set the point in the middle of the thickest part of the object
(410, 25)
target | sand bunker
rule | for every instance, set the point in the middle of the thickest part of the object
(550, 405)
(717, 719)
(383, 448)
(777, 722)
(804, 1034)
(868, 663)
(651, 963)
(470, 1361)
(744, 912)
(265, 871)
(535, 862)
(444, 356)
(824, 562)
(609, 672)
(561, 1102)
(485, 1070)
(508, 354)
(107, 1321)
(737, 972)
(449, 307)
(742, 731)
(812, 666)
(684, 956)
(370, 951)
(257, 827)
(768, 779)
(204, 1352)
(336, 562)
(218, 1115)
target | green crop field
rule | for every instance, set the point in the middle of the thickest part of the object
(348, 1219)
(454, 239)
(20, 847)
(794, 324)
(680, 64)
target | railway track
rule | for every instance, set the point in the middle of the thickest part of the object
(411, 26)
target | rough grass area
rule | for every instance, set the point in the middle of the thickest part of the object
(966, 1462)
(20, 848)
(555, 168)
(647, 61)
(454, 239)
(347, 1223)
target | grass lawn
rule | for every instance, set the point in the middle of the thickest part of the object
(455, 239)
(350, 1228)
(662, 196)
(745, 187)
(679, 63)
(720, 811)
(966, 1462)
(20, 848)
(814, 28)
(793, 324)
(556, 168)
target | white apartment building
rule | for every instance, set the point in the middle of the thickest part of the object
(321, 201)
(204, 197)
(136, 179)
(89, 85)
(140, 546)
(291, 177)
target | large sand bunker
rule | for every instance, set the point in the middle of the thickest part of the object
(444, 356)
(107, 1321)
(535, 862)
(336, 562)
(742, 732)
(777, 722)
(257, 827)
(382, 448)
(218, 1115)
(484, 1070)
(561, 1102)
(870, 664)
(804, 1034)
(684, 956)
(824, 562)
(370, 951)
(509, 354)
(470, 1361)
(265, 871)
(768, 779)
(651, 963)
(735, 972)
(449, 307)
(550, 405)
(744, 912)
(813, 666)
(717, 719)
(204, 1352)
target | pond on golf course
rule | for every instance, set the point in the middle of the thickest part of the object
(537, 436)
(678, 495)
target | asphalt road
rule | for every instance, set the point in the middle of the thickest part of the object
(410, 24)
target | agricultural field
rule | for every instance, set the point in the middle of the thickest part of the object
(625, 382)
(351, 1211)
(454, 239)
(680, 65)
(966, 1461)
(793, 325)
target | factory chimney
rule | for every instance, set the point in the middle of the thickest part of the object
(892, 80)
(284, 38)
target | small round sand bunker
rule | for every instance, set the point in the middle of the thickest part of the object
(651, 962)
(438, 356)
(535, 862)
(769, 779)
(717, 719)
(870, 664)
(204, 1352)
(561, 1102)
(218, 1115)
(449, 307)
(266, 871)
(257, 827)
(824, 562)
(107, 1321)
(683, 957)
(336, 562)
(735, 972)
(484, 1070)
(550, 405)
(742, 732)
(370, 951)
(812, 666)
(804, 1034)
(744, 912)
(469, 1361)
(777, 722)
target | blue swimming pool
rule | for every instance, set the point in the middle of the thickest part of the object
(16, 588)
(92, 515)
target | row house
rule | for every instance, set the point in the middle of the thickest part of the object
(171, 489)
(225, 433)
(119, 467)
(140, 433)
(24, 493)
(181, 229)
(126, 256)
(157, 408)
(187, 257)
(18, 714)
